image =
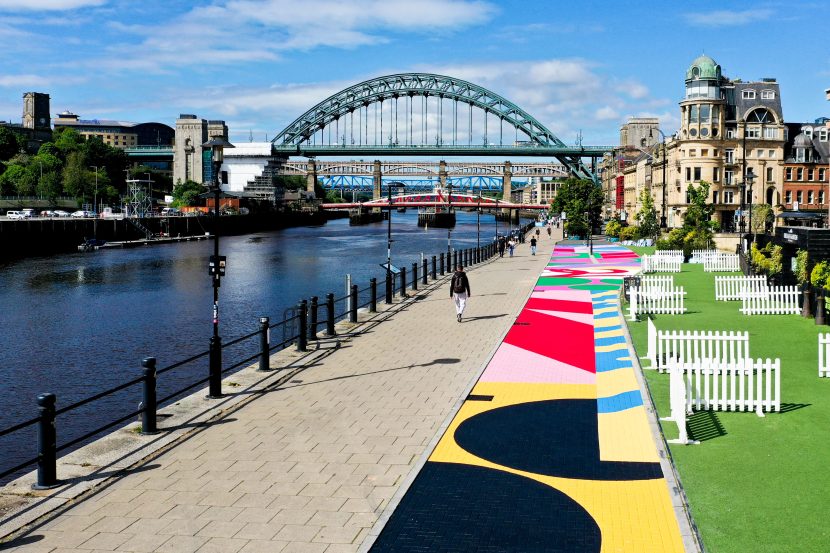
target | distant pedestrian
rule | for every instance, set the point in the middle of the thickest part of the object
(501, 246)
(511, 245)
(533, 246)
(538, 232)
(548, 231)
(459, 291)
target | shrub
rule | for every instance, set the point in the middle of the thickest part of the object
(613, 228)
(802, 267)
(818, 277)
(630, 233)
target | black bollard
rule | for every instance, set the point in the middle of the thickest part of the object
(302, 323)
(330, 314)
(390, 281)
(403, 281)
(353, 304)
(148, 412)
(415, 276)
(454, 261)
(312, 318)
(215, 369)
(442, 263)
(373, 295)
(47, 447)
(434, 267)
(424, 267)
(264, 344)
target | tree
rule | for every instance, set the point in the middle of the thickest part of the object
(187, 193)
(75, 175)
(762, 215)
(647, 216)
(575, 197)
(10, 143)
(17, 180)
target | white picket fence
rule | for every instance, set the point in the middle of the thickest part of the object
(746, 385)
(678, 404)
(699, 256)
(684, 346)
(732, 288)
(651, 343)
(824, 355)
(663, 302)
(661, 263)
(779, 300)
(656, 283)
(721, 262)
(668, 253)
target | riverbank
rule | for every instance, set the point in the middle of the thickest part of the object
(42, 236)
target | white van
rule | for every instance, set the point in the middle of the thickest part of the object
(14, 214)
(170, 212)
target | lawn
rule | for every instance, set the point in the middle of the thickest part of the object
(754, 484)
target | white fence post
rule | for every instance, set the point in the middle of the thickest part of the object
(776, 300)
(824, 355)
(651, 353)
(678, 404)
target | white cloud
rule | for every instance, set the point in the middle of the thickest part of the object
(728, 18)
(23, 81)
(606, 113)
(48, 5)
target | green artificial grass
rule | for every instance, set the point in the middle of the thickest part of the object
(754, 484)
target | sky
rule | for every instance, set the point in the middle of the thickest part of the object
(579, 67)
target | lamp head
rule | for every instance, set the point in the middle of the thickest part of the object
(217, 144)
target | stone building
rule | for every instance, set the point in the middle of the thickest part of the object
(190, 160)
(36, 125)
(118, 134)
(806, 168)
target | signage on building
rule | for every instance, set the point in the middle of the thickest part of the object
(790, 237)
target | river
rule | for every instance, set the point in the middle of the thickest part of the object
(77, 324)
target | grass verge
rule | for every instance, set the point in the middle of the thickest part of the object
(754, 484)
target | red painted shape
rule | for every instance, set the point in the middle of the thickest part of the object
(559, 305)
(560, 339)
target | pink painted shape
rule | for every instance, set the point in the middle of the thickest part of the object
(561, 293)
(514, 364)
(584, 318)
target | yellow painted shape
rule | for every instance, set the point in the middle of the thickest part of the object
(611, 383)
(625, 436)
(609, 334)
(604, 323)
(602, 310)
(612, 347)
(599, 295)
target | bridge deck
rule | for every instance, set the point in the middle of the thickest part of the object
(314, 463)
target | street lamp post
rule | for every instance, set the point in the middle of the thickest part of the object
(749, 178)
(216, 267)
(589, 232)
(95, 197)
(478, 220)
(665, 161)
(389, 241)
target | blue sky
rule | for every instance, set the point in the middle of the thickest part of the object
(582, 65)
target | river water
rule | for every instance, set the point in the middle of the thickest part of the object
(78, 324)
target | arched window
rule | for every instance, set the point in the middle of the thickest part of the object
(760, 115)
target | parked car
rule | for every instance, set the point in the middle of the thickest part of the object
(61, 213)
(80, 214)
(29, 213)
(14, 214)
(170, 212)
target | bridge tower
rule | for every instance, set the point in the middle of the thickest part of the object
(311, 175)
(377, 180)
(507, 187)
(442, 173)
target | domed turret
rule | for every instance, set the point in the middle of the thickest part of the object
(703, 67)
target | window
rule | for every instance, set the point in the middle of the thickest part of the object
(788, 197)
(821, 175)
(768, 95)
(704, 113)
(809, 196)
(800, 155)
(808, 132)
(771, 154)
(728, 177)
(799, 174)
(760, 115)
(730, 133)
(748, 94)
(692, 153)
(715, 152)
(728, 197)
(822, 135)
(759, 153)
(730, 156)
(704, 152)
(714, 196)
(715, 174)
(697, 174)
(821, 196)
(769, 174)
(694, 114)
(770, 133)
(788, 173)
(799, 196)
(810, 174)
(752, 132)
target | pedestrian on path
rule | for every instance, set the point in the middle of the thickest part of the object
(511, 245)
(548, 230)
(459, 291)
(533, 246)
(501, 246)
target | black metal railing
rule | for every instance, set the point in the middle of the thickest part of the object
(298, 326)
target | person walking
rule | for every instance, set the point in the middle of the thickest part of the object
(533, 246)
(511, 245)
(548, 231)
(501, 246)
(459, 291)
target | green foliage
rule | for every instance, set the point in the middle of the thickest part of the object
(17, 180)
(11, 143)
(186, 193)
(762, 215)
(630, 233)
(820, 273)
(575, 197)
(802, 266)
(768, 260)
(647, 216)
(290, 182)
(75, 175)
(613, 228)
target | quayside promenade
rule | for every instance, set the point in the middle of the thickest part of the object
(521, 428)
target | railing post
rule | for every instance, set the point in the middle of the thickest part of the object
(302, 337)
(46, 444)
(403, 281)
(330, 314)
(390, 281)
(434, 267)
(148, 412)
(373, 295)
(353, 307)
(264, 344)
(442, 263)
(454, 261)
(424, 276)
(415, 276)
(312, 318)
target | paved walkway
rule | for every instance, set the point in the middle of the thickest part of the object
(309, 466)
(552, 451)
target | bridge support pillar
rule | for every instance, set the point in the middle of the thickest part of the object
(377, 182)
(442, 173)
(507, 187)
(311, 175)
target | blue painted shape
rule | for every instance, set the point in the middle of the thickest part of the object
(610, 360)
(607, 315)
(619, 402)
(609, 341)
(609, 328)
